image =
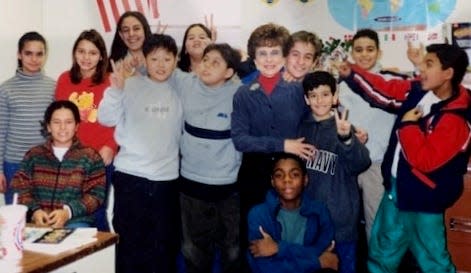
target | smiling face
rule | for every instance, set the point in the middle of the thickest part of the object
(160, 64)
(365, 53)
(289, 181)
(87, 56)
(32, 57)
(196, 41)
(269, 60)
(300, 59)
(214, 70)
(62, 127)
(132, 32)
(321, 100)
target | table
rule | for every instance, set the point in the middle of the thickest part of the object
(98, 256)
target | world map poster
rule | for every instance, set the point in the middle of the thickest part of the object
(397, 15)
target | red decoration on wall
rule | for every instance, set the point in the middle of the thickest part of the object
(111, 10)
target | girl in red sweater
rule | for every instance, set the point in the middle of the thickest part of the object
(84, 84)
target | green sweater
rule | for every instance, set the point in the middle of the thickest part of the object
(44, 182)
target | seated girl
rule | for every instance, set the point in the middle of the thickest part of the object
(61, 181)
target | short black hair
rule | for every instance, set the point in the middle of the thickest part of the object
(368, 33)
(156, 41)
(231, 56)
(315, 79)
(451, 56)
(283, 156)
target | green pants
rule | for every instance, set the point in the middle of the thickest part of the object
(395, 231)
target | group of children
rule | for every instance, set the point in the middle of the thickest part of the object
(266, 175)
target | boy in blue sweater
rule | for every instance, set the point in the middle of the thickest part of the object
(290, 232)
(209, 197)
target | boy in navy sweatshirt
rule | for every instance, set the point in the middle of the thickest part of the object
(337, 161)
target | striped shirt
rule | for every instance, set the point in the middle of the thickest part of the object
(23, 101)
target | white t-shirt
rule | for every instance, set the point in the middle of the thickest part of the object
(59, 152)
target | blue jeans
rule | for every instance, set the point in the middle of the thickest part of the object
(347, 253)
(9, 170)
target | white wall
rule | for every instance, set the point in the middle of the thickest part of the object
(60, 21)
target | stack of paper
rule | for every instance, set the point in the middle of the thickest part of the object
(54, 241)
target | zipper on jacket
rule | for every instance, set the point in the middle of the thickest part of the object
(55, 186)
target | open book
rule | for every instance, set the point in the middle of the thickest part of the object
(54, 241)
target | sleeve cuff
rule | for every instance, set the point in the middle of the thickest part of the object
(69, 211)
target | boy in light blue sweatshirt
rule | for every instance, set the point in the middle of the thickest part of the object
(147, 115)
(209, 162)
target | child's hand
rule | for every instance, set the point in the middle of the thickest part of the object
(361, 134)
(161, 28)
(106, 154)
(299, 148)
(343, 68)
(328, 258)
(343, 126)
(415, 54)
(40, 218)
(210, 25)
(58, 218)
(3, 183)
(118, 76)
(413, 115)
(130, 63)
(264, 247)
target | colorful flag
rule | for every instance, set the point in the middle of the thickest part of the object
(111, 10)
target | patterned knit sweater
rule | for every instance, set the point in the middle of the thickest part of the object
(44, 182)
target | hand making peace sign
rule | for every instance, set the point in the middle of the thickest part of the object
(118, 76)
(343, 126)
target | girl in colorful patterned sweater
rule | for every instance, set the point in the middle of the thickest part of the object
(61, 181)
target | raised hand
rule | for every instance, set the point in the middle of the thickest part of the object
(361, 134)
(343, 68)
(344, 127)
(130, 63)
(210, 25)
(118, 77)
(415, 54)
(161, 28)
(264, 247)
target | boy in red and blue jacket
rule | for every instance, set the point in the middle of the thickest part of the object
(426, 158)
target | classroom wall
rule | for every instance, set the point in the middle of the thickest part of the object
(60, 21)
